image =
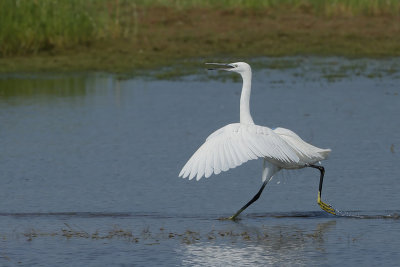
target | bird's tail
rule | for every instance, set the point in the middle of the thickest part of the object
(324, 153)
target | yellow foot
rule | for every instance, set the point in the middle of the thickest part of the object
(326, 207)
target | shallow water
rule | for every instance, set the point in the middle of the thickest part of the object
(89, 167)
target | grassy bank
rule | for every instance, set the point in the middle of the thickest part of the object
(122, 35)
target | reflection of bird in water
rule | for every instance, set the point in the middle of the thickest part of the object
(237, 143)
(266, 245)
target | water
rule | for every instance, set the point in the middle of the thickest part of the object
(89, 167)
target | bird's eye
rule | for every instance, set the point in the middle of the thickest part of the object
(236, 65)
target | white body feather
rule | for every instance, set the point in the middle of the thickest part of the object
(236, 143)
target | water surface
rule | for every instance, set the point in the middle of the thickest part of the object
(89, 167)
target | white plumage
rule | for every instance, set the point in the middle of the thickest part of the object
(236, 143)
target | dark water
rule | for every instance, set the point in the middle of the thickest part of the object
(89, 166)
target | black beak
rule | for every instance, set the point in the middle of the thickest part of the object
(220, 66)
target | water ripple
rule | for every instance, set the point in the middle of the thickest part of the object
(387, 214)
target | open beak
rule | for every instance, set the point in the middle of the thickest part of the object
(220, 66)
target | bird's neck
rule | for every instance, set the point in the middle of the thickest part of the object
(245, 116)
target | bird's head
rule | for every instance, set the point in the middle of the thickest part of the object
(239, 67)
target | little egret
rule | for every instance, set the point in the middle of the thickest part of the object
(236, 143)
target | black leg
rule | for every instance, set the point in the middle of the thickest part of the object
(326, 207)
(321, 179)
(233, 217)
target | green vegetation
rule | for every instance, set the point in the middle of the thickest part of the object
(124, 35)
(54, 86)
(31, 26)
(337, 7)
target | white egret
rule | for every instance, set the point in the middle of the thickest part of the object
(236, 143)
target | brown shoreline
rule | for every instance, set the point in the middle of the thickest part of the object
(166, 35)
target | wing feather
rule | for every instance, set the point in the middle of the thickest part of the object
(307, 152)
(241, 154)
(224, 161)
(252, 144)
(209, 165)
(242, 144)
(235, 157)
(228, 156)
(202, 165)
(234, 145)
(217, 164)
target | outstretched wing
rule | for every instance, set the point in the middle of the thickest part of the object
(306, 152)
(232, 146)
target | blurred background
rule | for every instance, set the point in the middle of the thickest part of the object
(123, 35)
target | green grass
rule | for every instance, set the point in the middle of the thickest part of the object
(123, 35)
(317, 7)
(325, 7)
(31, 26)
